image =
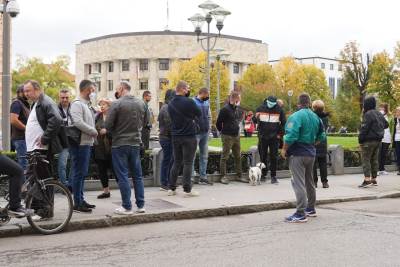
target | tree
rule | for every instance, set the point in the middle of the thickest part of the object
(52, 77)
(257, 83)
(384, 79)
(347, 105)
(193, 72)
(356, 70)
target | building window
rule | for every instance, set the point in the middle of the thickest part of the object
(97, 68)
(164, 64)
(143, 64)
(143, 84)
(110, 66)
(340, 67)
(236, 68)
(98, 86)
(90, 68)
(163, 83)
(110, 85)
(331, 67)
(125, 65)
(332, 85)
(235, 85)
(339, 83)
(323, 66)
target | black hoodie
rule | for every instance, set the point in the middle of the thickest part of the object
(373, 124)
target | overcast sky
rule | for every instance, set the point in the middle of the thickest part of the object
(48, 28)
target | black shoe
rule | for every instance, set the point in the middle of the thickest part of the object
(274, 180)
(104, 195)
(398, 173)
(365, 184)
(87, 205)
(204, 181)
(82, 208)
(325, 185)
(374, 182)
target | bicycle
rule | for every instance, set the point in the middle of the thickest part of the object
(48, 198)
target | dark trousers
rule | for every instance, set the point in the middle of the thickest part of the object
(271, 146)
(184, 150)
(146, 137)
(320, 162)
(230, 143)
(369, 152)
(16, 176)
(167, 160)
(397, 148)
(383, 150)
(102, 167)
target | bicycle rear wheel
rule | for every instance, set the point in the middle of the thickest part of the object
(53, 204)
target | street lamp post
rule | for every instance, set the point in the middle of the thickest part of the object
(219, 55)
(211, 10)
(9, 8)
(290, 94)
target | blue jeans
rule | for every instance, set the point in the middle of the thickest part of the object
(62, 167)
(126, 161)
(167, 160)
(80, 159)
(20, 148)
(202, 142)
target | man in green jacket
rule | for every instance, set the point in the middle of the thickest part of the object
(302, 131)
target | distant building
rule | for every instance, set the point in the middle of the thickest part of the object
(330, 66)
(144, 59)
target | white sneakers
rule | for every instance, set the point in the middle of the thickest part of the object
(383, 173)
(171, 192)
(191, 194)
(123, 211)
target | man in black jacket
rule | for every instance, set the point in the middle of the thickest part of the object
(183, 112)
(228, 121)
(44, 133)
(369, 138)
(271, 122)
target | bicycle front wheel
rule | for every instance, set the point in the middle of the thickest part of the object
(53, 205)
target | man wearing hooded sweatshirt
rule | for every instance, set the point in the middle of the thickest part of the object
(372, 129)
(271, 122)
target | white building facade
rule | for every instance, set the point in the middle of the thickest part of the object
(331, 67)
(144, 59)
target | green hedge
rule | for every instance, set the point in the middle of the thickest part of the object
(343, 134)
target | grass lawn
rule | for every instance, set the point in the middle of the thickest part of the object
(246, 143)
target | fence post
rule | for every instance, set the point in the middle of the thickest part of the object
(255, 156)
(157, 155)
(337, 159)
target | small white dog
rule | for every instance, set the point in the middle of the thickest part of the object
(255, 174)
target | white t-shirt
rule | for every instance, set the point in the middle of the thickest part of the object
(397, 135)
(387, 137)
(33, 132)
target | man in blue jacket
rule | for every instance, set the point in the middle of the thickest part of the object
(202, 101)
(302, 131)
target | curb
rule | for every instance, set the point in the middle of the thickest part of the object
(111, 221)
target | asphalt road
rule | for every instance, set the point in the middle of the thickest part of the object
(348, 234)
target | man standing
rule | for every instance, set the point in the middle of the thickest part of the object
(183, 112)
(82, 117)
(124, 123)
(64, 107)
(19, 114)
(44, 134)
(147, 127)
(303, 129)
(228, 123)
(271, 122)
(202, 101)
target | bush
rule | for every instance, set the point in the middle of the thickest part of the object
(343, 134)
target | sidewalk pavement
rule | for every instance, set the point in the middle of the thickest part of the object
(216, 200)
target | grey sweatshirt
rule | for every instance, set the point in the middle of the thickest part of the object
(83, 119)
(125, 121)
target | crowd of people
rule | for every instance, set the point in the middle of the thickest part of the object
(117, 132)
